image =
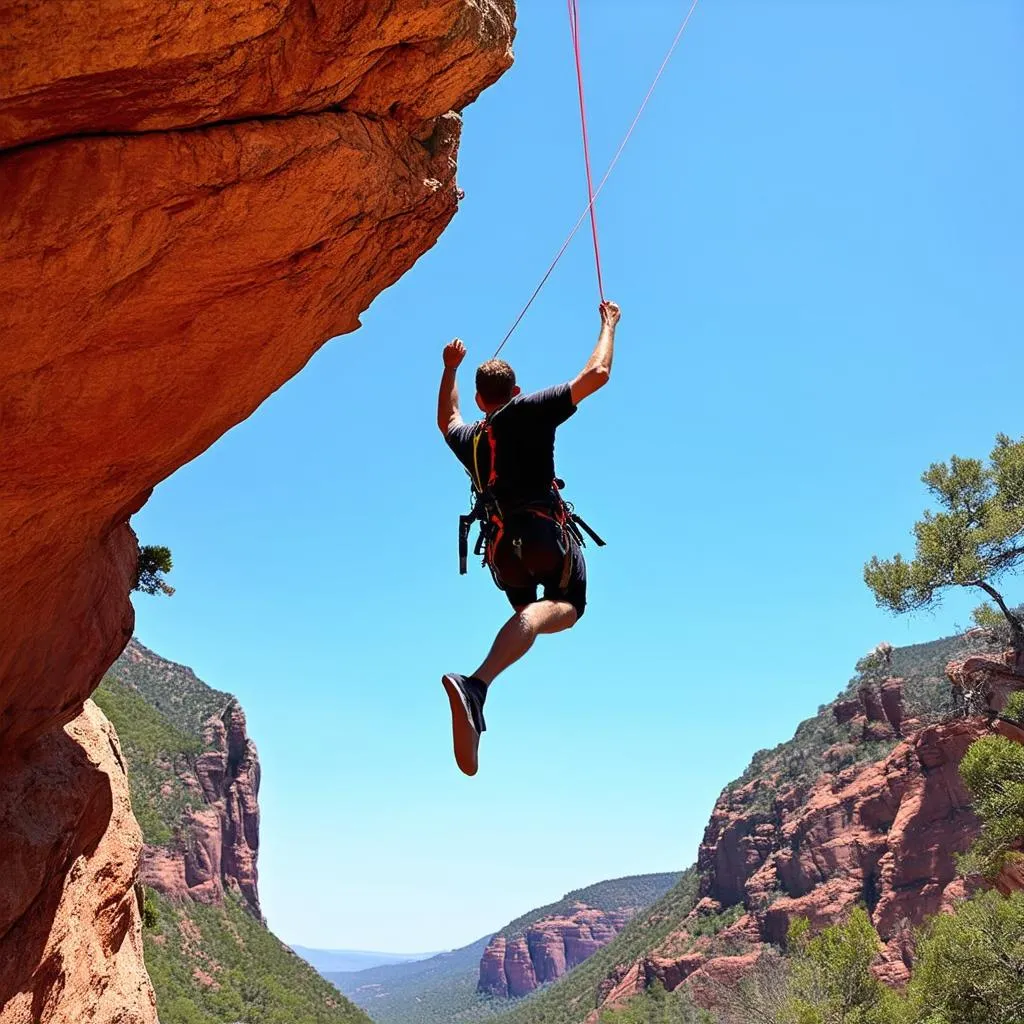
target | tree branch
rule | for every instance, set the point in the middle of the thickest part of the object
(1015, 623)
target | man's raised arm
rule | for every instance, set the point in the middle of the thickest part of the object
(599, 367)
(448, 415)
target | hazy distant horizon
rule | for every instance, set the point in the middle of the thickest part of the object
(354, 959)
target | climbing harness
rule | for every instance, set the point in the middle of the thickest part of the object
(592, 192)
(487, 510)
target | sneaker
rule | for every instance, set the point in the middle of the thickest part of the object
(466, 695)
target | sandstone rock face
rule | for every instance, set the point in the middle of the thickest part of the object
(883, 833)
(195, 198)
(988, 679)
(70, 930)
(515, 967)
(221, 840)
(159, 284)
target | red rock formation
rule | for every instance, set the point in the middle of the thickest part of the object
(515, 967)
(883, 833)
(195, 197)
(71, 953)
(221, 839)
(701, 973)
(989, 679)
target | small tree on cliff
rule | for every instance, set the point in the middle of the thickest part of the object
(976, 537)
(993, 770)
(154, 561)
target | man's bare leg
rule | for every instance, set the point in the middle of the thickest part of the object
(517, 635)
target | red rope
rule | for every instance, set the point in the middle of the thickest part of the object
(604, 180)
(574, 28)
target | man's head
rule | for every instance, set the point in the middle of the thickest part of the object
(495, 385)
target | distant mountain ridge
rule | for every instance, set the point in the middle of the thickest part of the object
(354, 959)
(449, 988)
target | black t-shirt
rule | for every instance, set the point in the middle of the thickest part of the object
(524, 445)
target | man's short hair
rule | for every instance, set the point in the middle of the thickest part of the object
(495, 381)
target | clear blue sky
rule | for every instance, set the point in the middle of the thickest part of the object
(815, 238)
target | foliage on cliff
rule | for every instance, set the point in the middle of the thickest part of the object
(216, 964)
(155, 749)
(173, 690)
(993, 770)
(967, 971)
(927, 696)
(657, 1006)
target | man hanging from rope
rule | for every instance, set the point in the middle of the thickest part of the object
(530, 536)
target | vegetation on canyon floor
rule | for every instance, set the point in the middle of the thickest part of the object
(967, 971)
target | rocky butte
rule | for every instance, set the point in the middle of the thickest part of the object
(514, 966)
(195, 198)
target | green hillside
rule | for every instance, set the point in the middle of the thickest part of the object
(156, 751)
(927, 695)
(632, 891)
(442, 990)
(175, 691)
(209, 965)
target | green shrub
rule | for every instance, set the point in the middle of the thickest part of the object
(1013, 711)
(830, 975)
(825, 979)
(993, 770)
(656, 1006)
(150, 910)
(970, 965)
(154, 561)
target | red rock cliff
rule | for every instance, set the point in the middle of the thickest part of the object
(72, 951)
(883, 832)
(516, 966)
(195, 197)
(220, 841)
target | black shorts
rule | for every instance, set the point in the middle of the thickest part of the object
(532, 553)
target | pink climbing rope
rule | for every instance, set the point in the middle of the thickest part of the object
(607, 174)
(574, 28)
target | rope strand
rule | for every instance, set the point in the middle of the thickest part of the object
(607, 174)
(574, 27)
